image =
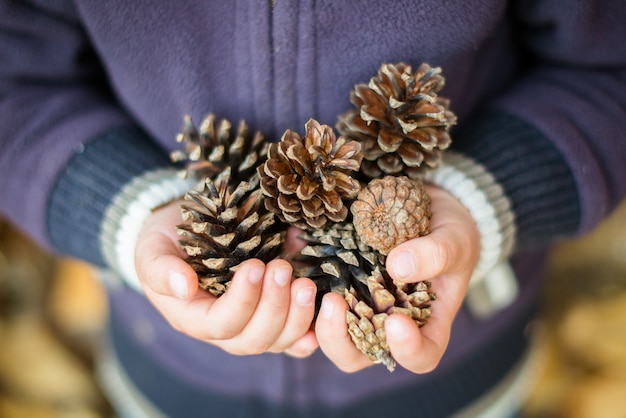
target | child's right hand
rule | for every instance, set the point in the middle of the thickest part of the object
(262, 311)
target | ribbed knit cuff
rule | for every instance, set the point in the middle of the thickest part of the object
(534, 176)
(127, 213)
(87, 187)
(492, 284)
(484, 198)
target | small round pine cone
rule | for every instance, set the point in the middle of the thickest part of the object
(400, 120)
(390, 211)
(306, 181)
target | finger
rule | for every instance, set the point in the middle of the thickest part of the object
(232, 311)
(422, 258)
(452, 244)
(332, 333)
(449, 248)
(300, 315)
(208, 318)
(412, 348)
(182, 314)
(293, 244)
(421, 349)
(270, 315)
(304, 346)
(160, 268)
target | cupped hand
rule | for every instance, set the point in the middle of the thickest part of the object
(264, 310)
(446, 257)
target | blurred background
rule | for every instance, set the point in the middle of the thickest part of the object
(52, 311)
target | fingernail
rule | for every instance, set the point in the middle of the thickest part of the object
(304, 297)
(327, 309)
(282, 276)
(395, 330)
(178, 285)
(256, 274)
(403, 265)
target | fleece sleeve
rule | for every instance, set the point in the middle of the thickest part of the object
(556, 138)
(66, 147)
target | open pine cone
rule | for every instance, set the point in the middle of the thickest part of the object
(306, 180)
(211, 148)
(400, 120)
(226, 224)
(335, 259)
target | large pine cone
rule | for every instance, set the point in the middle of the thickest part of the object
(211, 148)
(400, 120)
(224, 226)
(369, 308)
(390, 211)
(306, 180)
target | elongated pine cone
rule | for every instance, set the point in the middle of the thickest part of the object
(390, 211)
(338, 261)
(212, 148)
(306, 181)
(369, 309)
(224, 225)
(400, 120)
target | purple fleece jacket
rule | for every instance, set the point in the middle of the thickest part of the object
(93, 94)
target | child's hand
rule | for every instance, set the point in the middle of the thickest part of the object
(446, 257)
(262, 311)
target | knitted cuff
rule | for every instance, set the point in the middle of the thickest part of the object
(532, 172)
(492, 285)
(90, 181)
(484, 198)
(126, 214)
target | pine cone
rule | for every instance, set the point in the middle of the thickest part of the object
(335, 259)
(338, 261)
(306, 180)
(400, 121)
(390, 211)
(224, 226)
(210, 150)
(368, 311)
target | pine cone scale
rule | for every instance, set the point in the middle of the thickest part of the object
(389, 143)
(287, 184)
(306, 189)
(288, 204)
(313, 208)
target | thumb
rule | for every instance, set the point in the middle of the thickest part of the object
(451, 246)
(158, 257)
(160, 268)
(421, 258)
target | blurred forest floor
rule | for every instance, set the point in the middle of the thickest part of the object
(52, 311)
